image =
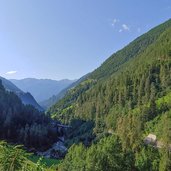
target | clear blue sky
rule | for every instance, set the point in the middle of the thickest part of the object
(60, 39)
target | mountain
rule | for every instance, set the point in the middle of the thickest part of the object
(26, 98)
(23, 124)
(108, 72)
(55, 98)
(118, 105)
(42, 89)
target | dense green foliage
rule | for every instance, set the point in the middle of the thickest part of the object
(127, 96)
(24, 124)
(11, 158)
(84, 133)
(108, 155)
(47, 162)
(14, 158)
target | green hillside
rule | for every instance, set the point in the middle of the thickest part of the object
(138, 46)
(128, 96)
(94, 97)
(23, 124)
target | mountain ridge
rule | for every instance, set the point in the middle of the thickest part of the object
(42, 89)
(107, 69)
(26, 98)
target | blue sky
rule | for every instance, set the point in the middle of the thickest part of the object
(60, 39)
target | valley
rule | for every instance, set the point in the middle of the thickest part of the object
(117, 117)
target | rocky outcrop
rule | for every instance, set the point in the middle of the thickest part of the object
(58, 150)
(151, 139)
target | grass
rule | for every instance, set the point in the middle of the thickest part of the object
(46, 161)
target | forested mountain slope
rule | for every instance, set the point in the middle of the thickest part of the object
(26, 98)
(132, 50)
(128, 96)
(24, 124)
(105, 87)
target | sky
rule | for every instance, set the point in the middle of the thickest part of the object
(59, 39)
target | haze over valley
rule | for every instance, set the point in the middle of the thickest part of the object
(85, 86)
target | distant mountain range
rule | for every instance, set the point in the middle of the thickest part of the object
(42, 89)
(55, 98)
(26, 98)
